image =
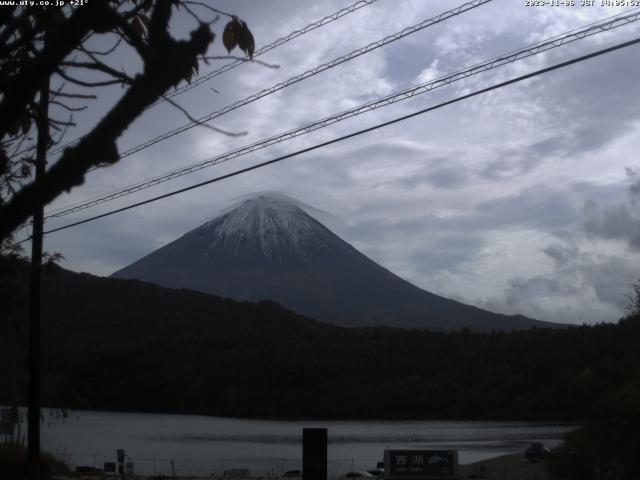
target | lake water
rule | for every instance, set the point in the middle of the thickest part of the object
(200, 445)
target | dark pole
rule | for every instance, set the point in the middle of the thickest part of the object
(35, 292)
(314, 454)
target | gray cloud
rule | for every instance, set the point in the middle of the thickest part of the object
(446, 253)
(581, 288)
(615, 223)
(588, 280)
(561, 254)
(538, 207)
(633, 174)
(445, 177)
(512, 163)
(610, 276)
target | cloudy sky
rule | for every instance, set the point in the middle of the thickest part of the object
(523, 200)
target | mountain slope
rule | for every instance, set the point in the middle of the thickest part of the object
(268, 247)
(83, 311)
(117, 314)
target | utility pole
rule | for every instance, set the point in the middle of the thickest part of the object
(35, 292)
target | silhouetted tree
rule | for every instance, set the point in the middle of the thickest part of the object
(607, 445)
(37, 43)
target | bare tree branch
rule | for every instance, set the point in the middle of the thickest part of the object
(202, 124)
(99, 66)
(73, 95)
(82, 83)
(244, 59)
(10, 29)
(208, 7)
(61, 42)
(167, 62)
(103, 52)
(54, 122)
(67, 107)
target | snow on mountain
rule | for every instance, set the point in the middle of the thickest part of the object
(272, 222)
(269, 246)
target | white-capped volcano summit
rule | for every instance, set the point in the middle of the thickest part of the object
(269, 247)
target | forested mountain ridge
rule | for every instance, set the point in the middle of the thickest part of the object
(102, 313)
(126, 345)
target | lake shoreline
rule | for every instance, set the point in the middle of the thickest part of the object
(400, 418)
(514, 466)
(202, 445)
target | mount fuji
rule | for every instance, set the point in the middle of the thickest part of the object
(269, 247)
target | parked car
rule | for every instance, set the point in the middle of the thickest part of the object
(237, 473)
(292, 474)
(376, 472)
(353, 475)
(536, 451)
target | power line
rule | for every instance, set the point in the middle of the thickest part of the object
(357, 133)
(308, 74)
(345, 137)
(535, 49)
(295, 34)
(267, 48)
(361, 51)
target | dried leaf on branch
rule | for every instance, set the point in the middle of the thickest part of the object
(237, 33)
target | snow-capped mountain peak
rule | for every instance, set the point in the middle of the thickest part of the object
(273, 223)
(271, 247)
